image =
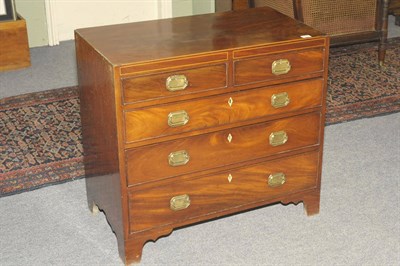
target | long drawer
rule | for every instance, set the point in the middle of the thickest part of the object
(188, 155)
(171, 119)
(182, 200)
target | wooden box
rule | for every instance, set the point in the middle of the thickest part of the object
(14, 47)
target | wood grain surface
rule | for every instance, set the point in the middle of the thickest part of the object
(259, 69)
(14, 47)
(161, 39)
(215, 193)
(216, 111)
(153, 87)
(214, 149)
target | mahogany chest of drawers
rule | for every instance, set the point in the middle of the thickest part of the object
(189, 119)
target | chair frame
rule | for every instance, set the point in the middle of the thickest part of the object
(381, 25)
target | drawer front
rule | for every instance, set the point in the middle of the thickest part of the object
(192, 154)
(174, 84)
(277, 66)
(187, 116)
(180, 200)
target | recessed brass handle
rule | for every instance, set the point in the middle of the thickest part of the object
(276, 179)
(278, 138)
(176, 82)
(280, 67)
(178, 158)
(279, 100)
(180, 202)
(178, 118)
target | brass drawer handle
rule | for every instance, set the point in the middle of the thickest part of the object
(276, 179)
(281, 66)
(178, 158)
(176, 82)
(180, 202)
(279, 100)
(178, 118)
(278, 138)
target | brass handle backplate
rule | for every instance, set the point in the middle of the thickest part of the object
(279, 100)
(278, 138)
(180, 202)
(281, 66)
(178, 118)
(276, 179)
(176, 82)
(178, 158)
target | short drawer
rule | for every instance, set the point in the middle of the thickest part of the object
(207, 151)
(174, 84)
(278, 66)
(181, 200)
(171, 119)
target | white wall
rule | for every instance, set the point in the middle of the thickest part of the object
(203, 6)
(52, 21)
(192, 7)
(34, 12)
(181, 8)
(73, 14)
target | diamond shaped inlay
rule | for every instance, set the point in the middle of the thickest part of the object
(230, 178)
(230, 101)
(230, 138)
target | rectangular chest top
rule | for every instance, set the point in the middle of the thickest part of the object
(166, 38)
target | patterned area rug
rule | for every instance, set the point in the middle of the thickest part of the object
(358, 87)
(40, 133)
(40, 137)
